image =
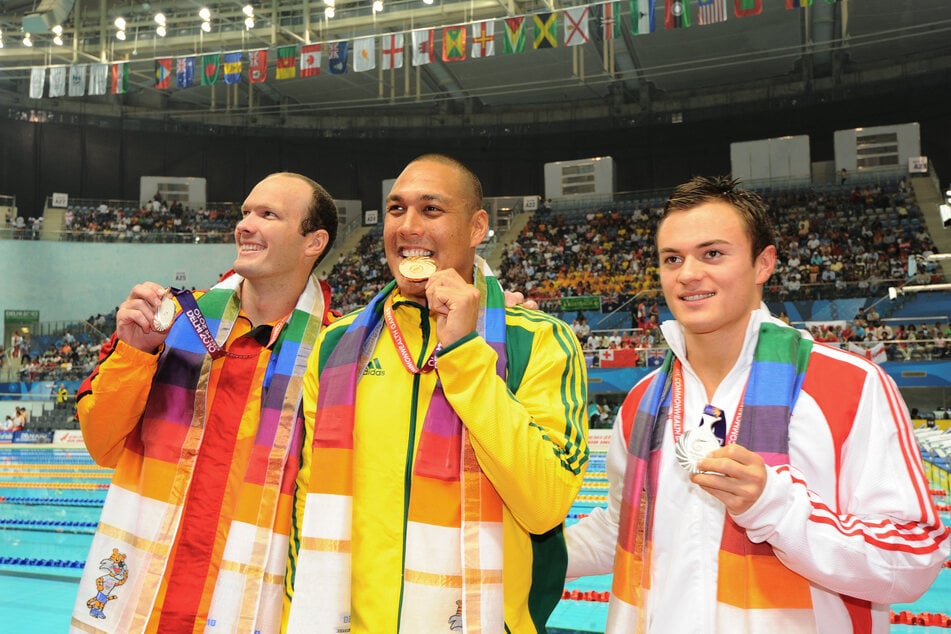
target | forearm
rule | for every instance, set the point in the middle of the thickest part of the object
(113, 405)
(592, 540)
(884, 555)
(532, 445)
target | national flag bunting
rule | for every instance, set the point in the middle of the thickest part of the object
(514, 35)
(546, 25)
(483, 39)
(286, 62)
(744, 8)
(163, 73)
(337, 57)
(57, 81)
(655, 357)
(120, 78)
(453, 43)
(37, 81)
(798, 4)
(257, 66)
(711, 11)
(609, 17)
(576, 26)
(232, 68)
(77, 80)
(210, 68)
(364, 54)
(98, 78)
(642, 17)
(677, 14)
(184, 72)
(424, 47)
(310, 60)
(392, 51)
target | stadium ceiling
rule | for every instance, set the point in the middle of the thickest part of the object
(826, 51)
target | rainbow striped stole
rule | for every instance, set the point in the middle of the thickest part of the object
(749, 575)
(445, 474)
(248, 590)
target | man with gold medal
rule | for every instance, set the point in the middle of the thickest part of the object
(448, 438)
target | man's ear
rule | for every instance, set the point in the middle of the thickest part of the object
(480, 227)
(765, 263)
(318, 243)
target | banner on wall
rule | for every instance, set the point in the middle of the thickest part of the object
(583, 302)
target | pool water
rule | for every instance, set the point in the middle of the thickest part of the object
(51, 498)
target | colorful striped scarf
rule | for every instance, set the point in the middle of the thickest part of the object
(749, 575)
(144, 505)
(445, 469)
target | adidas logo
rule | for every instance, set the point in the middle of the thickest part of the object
(374, 368)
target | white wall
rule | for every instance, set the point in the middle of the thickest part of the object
(784, 159)
(66, 281)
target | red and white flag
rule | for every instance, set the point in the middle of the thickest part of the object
(309, 60)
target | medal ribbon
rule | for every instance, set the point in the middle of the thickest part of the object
(400, 342)
(676, 415)
(194, 316)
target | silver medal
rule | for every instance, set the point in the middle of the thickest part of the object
(694, 445)
(164, 315)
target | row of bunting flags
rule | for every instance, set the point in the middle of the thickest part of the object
(472, 41)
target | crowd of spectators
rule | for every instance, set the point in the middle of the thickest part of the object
(153, 221)
(16, 421)
(833, 243)
(851, 243)
(357, 276)
(58, 356)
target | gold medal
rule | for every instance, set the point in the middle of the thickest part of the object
(417, 268)
(164, 315)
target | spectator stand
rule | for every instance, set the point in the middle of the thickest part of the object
(92, 220)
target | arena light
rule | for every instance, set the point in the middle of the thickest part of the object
(249, 23)
(120, 35)
(248, 10)
(205, 14)
(160, 19)
(160, 31)
(27, 42)
(206, 27)
(329, 12)
(377, 6)
(120, 23)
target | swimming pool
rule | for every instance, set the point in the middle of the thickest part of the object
(51, 498)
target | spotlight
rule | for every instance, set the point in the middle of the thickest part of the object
(57, 30)
(377, 6)
(27, 41)
(160, 19)
(120, 35)
(160, 30)
(120, 23)
(58, 40)
(329, 12)
(204, 14)
(206, 27)
(249, 23)
(248, 10)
